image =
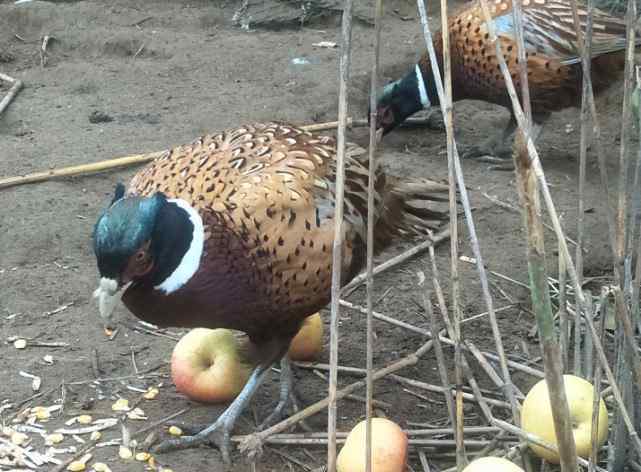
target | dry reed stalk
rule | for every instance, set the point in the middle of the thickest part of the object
(583, 144)
(252, 442)
(126, 161)
(337, 250)
(446, 108)
(536, 165)
(472, 430)
(396, 260)
(16, 85)
(476, 397)
(597, 385)
(531, 438)
(465, 345)
(529, 196)
(440, 358)
(465, 201)
(564, 338)
(626, 113)
(517, 14)
(369, 394)
(636, 199)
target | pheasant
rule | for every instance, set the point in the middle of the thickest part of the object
(553, 64)
(235, 230)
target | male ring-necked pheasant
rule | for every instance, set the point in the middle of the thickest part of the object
(236, 231)
(553, 61)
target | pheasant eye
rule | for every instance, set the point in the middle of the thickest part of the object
(140, 256)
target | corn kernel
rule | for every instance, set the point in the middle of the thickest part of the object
(18, 438)
(101, 467)
(175, 431)
(121, 405)
(143, 456)
(151, 393)
(95, 435)
(54, 438)
(20, 343)
(85, 419)
(125, 452)
(76, 466)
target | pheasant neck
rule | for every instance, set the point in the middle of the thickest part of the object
(178, 242)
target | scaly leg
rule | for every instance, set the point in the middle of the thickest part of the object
(286, 383)
(220, 431)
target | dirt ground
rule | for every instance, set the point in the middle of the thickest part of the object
(126, 77)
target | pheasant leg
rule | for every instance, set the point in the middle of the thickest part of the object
(286, 390)
(219, 432)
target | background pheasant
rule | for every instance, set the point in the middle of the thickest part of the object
(554, 64)
(236, 231)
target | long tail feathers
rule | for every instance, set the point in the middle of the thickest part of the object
(412, 208)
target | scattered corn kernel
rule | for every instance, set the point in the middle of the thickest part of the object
(175, 431)
(101, 467)
(85, 419)
(143, 456)
(76, 466)
(54, 438)
(41, 412)
(18, 438)
(152, 463)
(136, 414)
(122, 404)
(166, 469)
(20, 343)
(125, 452)
(151, 393)
(95, 435)
(109, 332)
(48, 359)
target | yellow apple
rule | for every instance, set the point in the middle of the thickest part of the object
(492, 464)
(536, 416)
(389, 448)
(208, 367)
(308, 343)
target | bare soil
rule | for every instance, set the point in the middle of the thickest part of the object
(126, 77)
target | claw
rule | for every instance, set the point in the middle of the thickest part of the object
(219, 433)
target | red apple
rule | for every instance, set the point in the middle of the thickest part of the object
(389, 448)
(207, 365)
(308, 343)
(492, 464)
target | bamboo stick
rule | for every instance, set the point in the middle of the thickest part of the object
(398, 259)
(440, 358)
(337, 250)
(378, 14)
(127, 161)
(252, 443)
(474, 242)
(597, 386)
(536, 164)
(16, 85)
(446, 108)
(529, 196)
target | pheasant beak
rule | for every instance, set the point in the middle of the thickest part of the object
(108, 293)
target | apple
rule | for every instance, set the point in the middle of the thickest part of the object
(492, 464)
(207, 365)
(308, 343)
(389, 448)
(536, 417)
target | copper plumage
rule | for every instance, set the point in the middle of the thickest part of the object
(553, 61)
(264, 196)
